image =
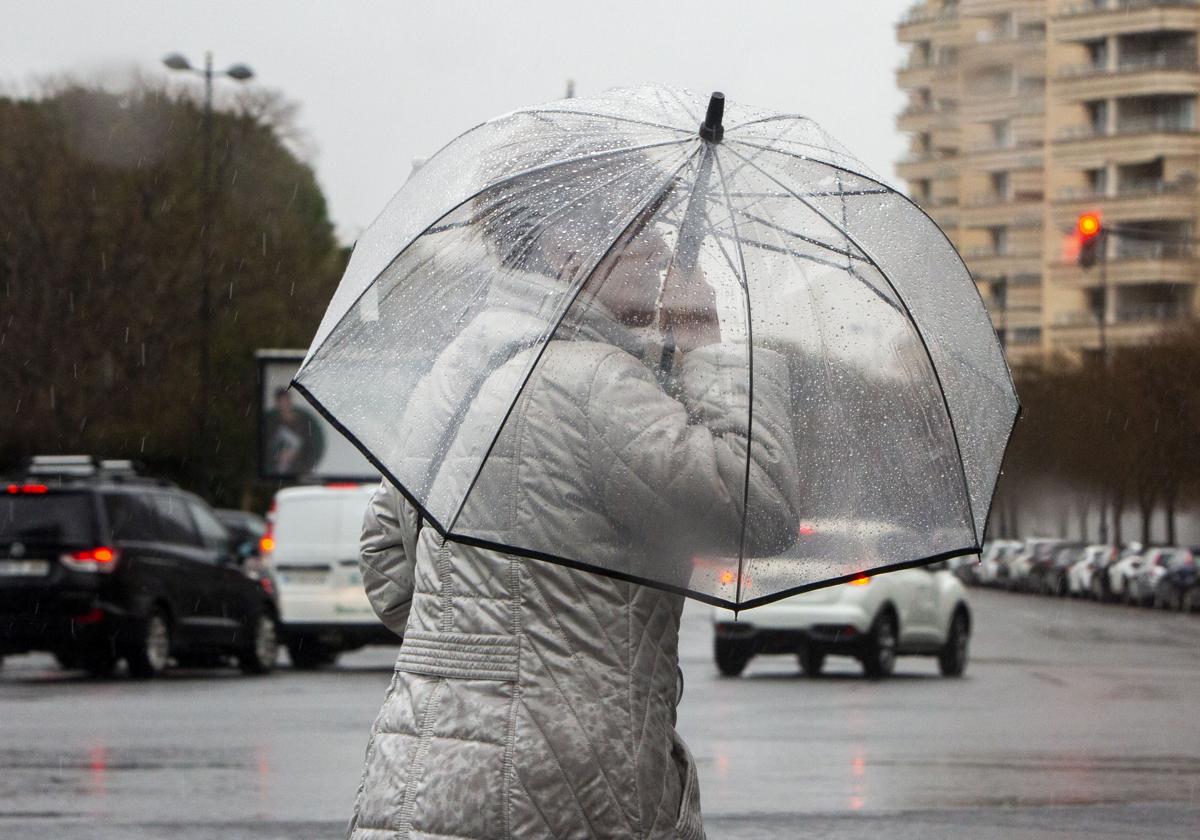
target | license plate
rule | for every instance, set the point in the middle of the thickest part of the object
(304, 576)
(24, 568)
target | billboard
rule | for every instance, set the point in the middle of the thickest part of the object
(294, 441)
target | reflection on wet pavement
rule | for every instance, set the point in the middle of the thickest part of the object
(1073, 720)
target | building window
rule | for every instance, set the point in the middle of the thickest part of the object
(999, 237)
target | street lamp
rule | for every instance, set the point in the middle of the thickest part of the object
(239, 73)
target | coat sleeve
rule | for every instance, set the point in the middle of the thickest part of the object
(387, 555)
(682, 462)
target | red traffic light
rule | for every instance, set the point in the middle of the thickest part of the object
(1089, 225)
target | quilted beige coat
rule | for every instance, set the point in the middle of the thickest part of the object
(531, 700)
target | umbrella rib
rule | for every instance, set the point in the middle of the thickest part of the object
(442, 450)
(771, 118)
(750, 376)
(874, 179)
(614, 118)
(312, 354)
(802, 237)
(864, 172)
(678, 101)
(778, 249)
(962, 468)
(656, 198)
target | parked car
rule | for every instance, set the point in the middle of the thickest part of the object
(1118, 574)
(99, 564)
(245, 527)
(248, 530)
(1048, 572)
(311, 548)
(1189, 599)
(1084, 570)
(993, 559)
(1157, 564)
(1101, 575)
(918, 612)
(1180, 575)
(1016, 568)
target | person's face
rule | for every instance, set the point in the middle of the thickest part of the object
(631, 279)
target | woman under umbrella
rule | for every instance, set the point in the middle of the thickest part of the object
(532, 699)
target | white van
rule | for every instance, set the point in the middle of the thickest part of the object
(311, 548)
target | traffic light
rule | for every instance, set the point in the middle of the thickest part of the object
(1089, 230)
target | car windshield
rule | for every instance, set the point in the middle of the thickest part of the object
(50, 517)
(322, 524)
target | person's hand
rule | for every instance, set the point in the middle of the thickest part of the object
(689, 308)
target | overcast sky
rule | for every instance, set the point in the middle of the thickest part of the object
(380, 83)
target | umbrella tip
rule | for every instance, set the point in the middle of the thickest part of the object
(711, 129)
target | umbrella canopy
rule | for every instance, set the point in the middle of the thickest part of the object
(856, 403)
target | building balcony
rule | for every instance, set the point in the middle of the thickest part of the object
(1006, 156)
(1084, 147)
(921, 23)
(927, 166)
(1081, 330)
(1087, 21)
(985, 106)
(1005, 314)
(1139, 201)
(987, 261)
(989, 210)
(988, 49)
(1025, 10)
(926, 118)
(1149, 75)
(1129, 270)
(915, 74)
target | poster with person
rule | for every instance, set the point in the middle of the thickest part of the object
(294, 441)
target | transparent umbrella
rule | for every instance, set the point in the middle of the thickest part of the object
(692, 347)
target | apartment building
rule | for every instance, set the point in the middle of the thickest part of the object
(1023, 114)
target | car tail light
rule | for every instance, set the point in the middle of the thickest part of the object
(99, 559)
(32, 489)
(266, 543)
(861, 580)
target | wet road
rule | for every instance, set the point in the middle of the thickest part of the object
(1074, 720)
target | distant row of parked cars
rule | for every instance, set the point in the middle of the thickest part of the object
(1164, 577)
(100, 565)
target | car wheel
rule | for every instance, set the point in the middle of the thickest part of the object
(732, 655)
(1097, 588)
(150, 651)
(1060, 588)
(307, 654)
(812, 662)
(952, 661)
(880, 657)
(259, 657)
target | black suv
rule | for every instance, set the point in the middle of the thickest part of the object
(98, 564)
